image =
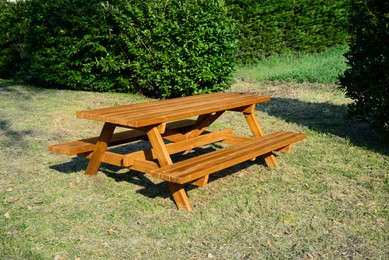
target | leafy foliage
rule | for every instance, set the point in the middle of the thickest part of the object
(367, 79)
(177, 47)
(267, 27)
(158, 48)
(13, 26)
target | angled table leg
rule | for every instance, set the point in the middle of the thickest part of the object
(101, 147)
(202, 123)
(163, 156)
(257, 131)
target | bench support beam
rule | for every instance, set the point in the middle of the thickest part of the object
(179, 196)
(100, 148)
(162, 154)
(257, 131)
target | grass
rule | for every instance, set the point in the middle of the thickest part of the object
(299, 67)
(328, 199)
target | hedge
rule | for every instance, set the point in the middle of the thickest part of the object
(367, 79)
(13, 27)
(267, 27)
(157, 48)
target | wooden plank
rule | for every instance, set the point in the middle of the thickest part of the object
(163, 157)
(202, 123)
(173, 148)
(159, 147)
(179, 196)
(220, 154)
(108, 157)
(202, 182)
(182, 111)
(144, 166)
(195, 168)
(144, 114)
(285, 149)
(257, 131)
(72, 148)
(235, 139)
(87, 145)
(254, 125)
(100, 148)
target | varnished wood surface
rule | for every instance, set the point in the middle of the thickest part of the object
(156, 112)
(200, 166)
(155, 122)
(88, 145)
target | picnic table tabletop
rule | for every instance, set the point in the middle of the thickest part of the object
(155, 112)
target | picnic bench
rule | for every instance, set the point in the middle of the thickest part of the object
(170, 128)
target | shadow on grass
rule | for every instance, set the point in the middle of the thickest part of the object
(12, 136)
(149, 188)
(20, 90)
(324, 118)
(10, 88)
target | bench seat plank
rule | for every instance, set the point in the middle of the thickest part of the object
(200, 166)
(88, 145)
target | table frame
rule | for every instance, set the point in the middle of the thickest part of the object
(160, 150)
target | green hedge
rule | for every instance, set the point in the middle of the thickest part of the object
(267, 27)
(157, 48)
(13, 28)
(367, 79)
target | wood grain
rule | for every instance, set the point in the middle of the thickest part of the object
(100, 148)
(200, 166)
(149, 113)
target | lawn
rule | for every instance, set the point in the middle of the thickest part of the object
(328, 198)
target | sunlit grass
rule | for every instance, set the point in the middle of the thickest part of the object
(324, 67)
(326, 200)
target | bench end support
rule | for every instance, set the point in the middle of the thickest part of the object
(179, 196)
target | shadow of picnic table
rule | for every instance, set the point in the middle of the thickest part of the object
(149, 187)
(325, 118)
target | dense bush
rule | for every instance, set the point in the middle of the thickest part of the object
(177, 47)
(69, 44)
(367, 79)
(158, 48)
(13, 27)
(268, 26)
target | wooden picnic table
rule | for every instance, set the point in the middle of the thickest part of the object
(168, 126)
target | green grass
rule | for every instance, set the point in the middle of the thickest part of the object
(327, 199)
(323, 67)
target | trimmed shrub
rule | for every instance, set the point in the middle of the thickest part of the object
(157, 48)
(267, 27)
(70, 45)
(177, 47)
(367, 79)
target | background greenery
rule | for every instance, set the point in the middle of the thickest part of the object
(268, 27)
(176, 48)
(367, 79)
(298, 67)
(157, 48)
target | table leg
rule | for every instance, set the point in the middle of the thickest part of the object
(257, 131)
(163, 156)
(101, 147)
(202, 123)
(179, 196)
